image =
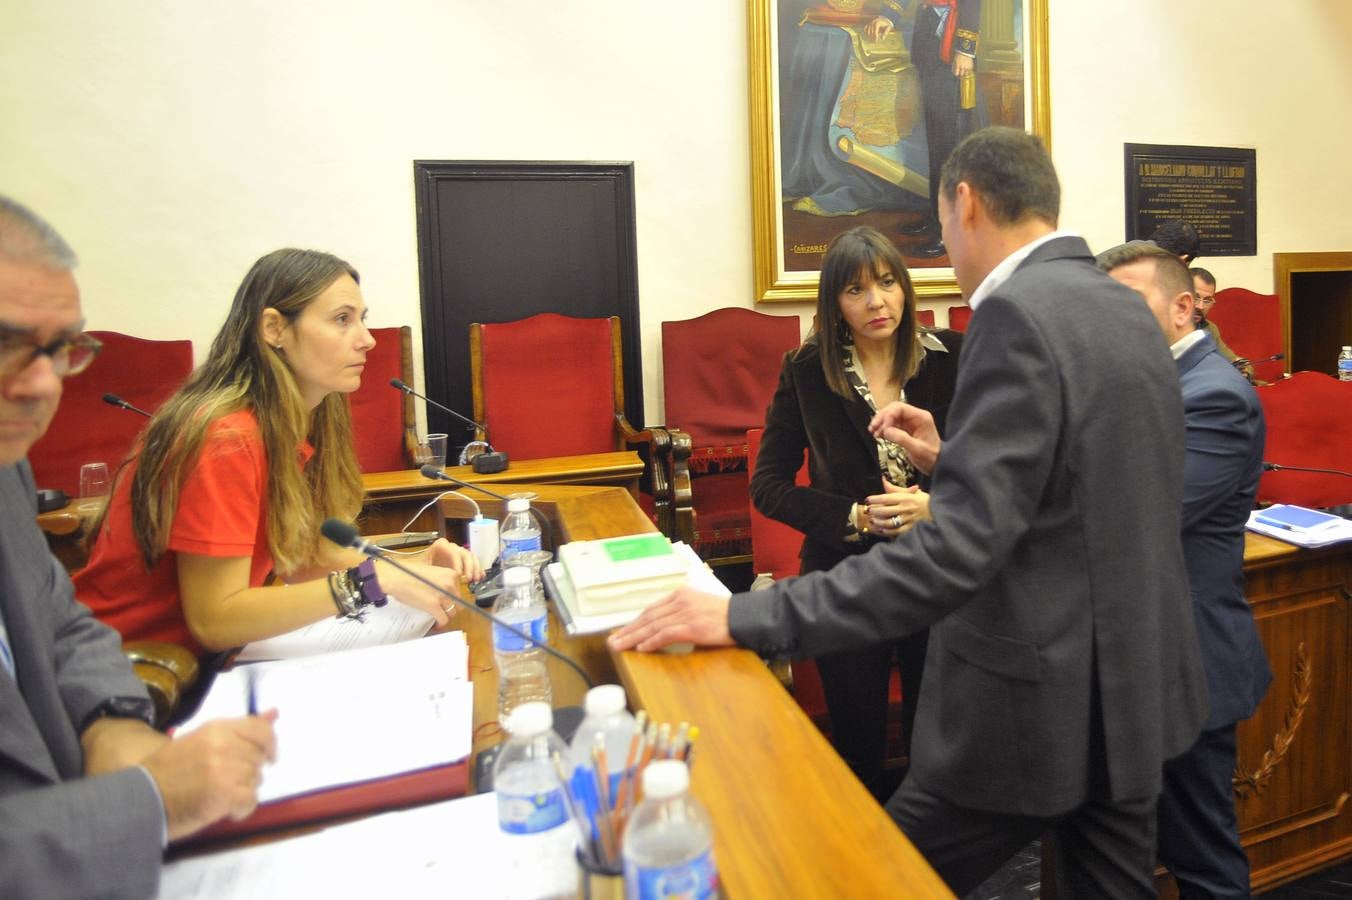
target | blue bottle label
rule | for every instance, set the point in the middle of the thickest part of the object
(508, 642)
(531, 813)
(693, 880)
(513, 546)
(1344, 365)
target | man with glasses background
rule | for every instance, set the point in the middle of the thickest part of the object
(1204, 294)
(89, 792)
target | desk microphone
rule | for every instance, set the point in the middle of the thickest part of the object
(431, 471)
(486, 462)
(1274, 467)
(344, 534)
(115, 400)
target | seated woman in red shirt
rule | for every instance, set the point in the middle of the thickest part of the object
(235, 472)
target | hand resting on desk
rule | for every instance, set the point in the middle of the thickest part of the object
(687, 616)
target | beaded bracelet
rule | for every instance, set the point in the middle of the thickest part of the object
(355, 589)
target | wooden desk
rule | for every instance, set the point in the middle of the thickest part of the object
(790, 819)
(392, 497)
(1295, 753)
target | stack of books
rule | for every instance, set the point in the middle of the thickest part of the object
(622, 573)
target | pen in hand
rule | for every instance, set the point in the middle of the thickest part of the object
(251, 690)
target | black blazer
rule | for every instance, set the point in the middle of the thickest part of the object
(842, 457)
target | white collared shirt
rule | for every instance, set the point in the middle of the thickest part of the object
(1180, 346)
(1000, 274)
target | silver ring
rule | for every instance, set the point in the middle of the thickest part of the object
(896, 521)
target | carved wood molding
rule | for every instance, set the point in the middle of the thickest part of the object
(1252, 783)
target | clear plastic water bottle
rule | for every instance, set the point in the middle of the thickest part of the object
(531, 805)
(668, 844)
(1345, 364)
(522, 675)
(520, 531)
(608, 719)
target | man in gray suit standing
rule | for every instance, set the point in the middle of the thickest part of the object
(1063, 667)
(89, 792)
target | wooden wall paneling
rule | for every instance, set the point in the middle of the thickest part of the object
(499, 241)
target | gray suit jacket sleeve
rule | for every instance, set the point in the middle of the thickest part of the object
(62, 834)
(987, 488)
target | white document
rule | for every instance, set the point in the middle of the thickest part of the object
(388, 624)
(1322, 535)
(700, 577)
(449, 849)
(356, 716)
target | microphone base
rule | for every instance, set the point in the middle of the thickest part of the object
(489, 463)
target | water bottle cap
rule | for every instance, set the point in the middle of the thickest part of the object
(518, 504)
(531, 719)
(516, 576)
(605, 700)
(665, 778)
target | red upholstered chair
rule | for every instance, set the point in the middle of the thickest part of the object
(721, 369)
(959, 316)
(552, 385)
(925, 317)
(1251, 325)
(85, 429)
(774, 551)
(383, 425)
(1309, 423)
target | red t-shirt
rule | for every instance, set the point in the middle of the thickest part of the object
(222, 511)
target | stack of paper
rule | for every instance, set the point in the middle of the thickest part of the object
(377, 626)
(355, 716)
(423, 852)
(622, 573)
(1300, 526)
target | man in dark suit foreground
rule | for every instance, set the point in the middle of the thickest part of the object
(1063, 667)
(88, 790)
(1198, 832)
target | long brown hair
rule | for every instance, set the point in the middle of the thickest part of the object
(243, 372)
(851, 255)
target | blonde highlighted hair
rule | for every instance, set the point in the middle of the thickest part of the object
(243, 372)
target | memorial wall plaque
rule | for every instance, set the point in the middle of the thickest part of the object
(1211, 187)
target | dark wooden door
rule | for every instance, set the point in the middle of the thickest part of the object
(499, 241)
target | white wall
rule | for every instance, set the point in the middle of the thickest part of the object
(174, 142)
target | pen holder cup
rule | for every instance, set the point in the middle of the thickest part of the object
(598, 882)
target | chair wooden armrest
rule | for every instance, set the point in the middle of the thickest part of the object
(669, 470)
(168, 672)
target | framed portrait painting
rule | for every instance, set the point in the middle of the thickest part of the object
(854, 106)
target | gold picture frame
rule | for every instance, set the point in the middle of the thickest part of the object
(774, 280)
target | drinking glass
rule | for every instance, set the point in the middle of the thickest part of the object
(94, 485)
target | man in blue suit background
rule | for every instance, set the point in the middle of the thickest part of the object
(1198, 832)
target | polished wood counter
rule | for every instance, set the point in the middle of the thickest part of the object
(790, 819)
(392, 497)
(1294, 772)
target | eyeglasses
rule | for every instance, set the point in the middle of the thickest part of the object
(70, 355)
(1205, 302)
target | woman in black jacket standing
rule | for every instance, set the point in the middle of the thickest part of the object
(865, 351)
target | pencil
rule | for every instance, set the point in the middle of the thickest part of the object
(628, 775)
(587, 845)
(603, 799)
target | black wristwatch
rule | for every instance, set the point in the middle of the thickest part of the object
(122, 708)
